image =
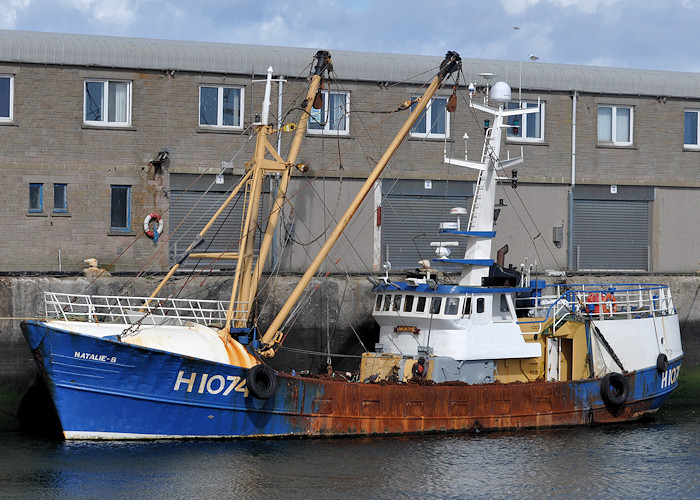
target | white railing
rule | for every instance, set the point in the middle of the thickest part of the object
(602, 302)
(130, 310)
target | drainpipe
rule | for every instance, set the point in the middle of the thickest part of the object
(570, 260)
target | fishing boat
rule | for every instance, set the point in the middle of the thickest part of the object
(494, 349)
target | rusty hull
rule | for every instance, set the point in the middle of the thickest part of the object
(328, 407)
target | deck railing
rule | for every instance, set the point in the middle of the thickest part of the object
(601, 302)
(130, 310)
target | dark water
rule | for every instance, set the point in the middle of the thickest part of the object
(658, 458)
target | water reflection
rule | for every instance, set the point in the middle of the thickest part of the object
(657, 458)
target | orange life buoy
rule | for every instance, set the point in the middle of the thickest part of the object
(150, 232)
(609, 303)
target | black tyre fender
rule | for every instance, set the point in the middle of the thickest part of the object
(614, 389)
(661, 363)
(262, 381)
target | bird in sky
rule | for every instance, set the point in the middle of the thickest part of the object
(516, 28)
(533, 58)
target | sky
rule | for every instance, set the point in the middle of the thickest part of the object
(643, 34)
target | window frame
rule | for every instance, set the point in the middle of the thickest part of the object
(613, 125)
(523, 119)
(426, 117)
(220, 107)
(314, 121)
(40, 198)
(11, 99)
(435, 305)
(696, 112)
(64, 208)
(104, 109)
(127, 215)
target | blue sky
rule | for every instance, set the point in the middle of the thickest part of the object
(647, 34)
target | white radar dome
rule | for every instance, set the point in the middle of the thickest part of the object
(500, 92)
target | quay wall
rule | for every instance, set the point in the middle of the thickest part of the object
(337, 314)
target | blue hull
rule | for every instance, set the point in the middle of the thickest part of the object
(105, 389)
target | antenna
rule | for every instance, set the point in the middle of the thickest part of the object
(487, 77)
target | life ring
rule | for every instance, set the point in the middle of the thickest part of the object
(147, 225)
(661, 363)
(262, 381)
(609, 303)
(614, 389)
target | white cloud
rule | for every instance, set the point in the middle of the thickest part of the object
(517, 7)
(117, 13)
(9, 10)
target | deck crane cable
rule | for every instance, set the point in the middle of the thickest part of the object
(292, 316)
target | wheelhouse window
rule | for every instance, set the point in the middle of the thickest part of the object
(467, 307)
(121, 208)
(615, 125)
(378, 304)
(434, 121)
(451, 306)
(503, 313)
(60, 198)
(420, 304)
(435, 305)
(332, 116)
(36, 203)
(6, 97)
(691, 136)
(397, 303)
(387, 302)
(529, 127)
(408, 303)
(107, 102)
(221, 106)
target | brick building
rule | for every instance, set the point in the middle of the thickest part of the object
(96, 133)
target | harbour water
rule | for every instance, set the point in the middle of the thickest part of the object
(656, 458)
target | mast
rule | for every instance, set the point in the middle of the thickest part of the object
(246, 278)
(265, 161)
(477, 256)
(270, 341)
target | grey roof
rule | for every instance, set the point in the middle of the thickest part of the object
(211, 57)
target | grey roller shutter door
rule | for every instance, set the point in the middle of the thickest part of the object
(410, 223)
(190, 212)
(611, 235)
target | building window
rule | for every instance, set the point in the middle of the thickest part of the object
(690, 137)
(615, 125)
(60, 198)
(6, 97)
(221, 106)
(121, 208)
(36, 203)
(107, 102)
(529, 127)
(434, 122)
(332, 116)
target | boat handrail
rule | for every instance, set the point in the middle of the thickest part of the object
(600, 302)
(129, 310)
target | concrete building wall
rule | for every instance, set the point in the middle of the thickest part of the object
(48, 143)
